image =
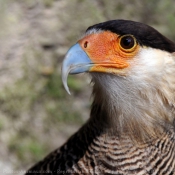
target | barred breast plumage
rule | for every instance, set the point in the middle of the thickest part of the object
(92, 152)
(131, 129)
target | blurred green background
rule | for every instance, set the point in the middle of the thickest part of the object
(36, 114)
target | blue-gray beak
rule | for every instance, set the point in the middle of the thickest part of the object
(76, 61)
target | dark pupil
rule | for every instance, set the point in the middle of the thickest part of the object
(127, 42)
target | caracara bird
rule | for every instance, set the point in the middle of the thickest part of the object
(131, 129)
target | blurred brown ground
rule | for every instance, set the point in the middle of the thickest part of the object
(36, 114)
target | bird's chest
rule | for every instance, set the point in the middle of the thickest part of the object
(124, 158)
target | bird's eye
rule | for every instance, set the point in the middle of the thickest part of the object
(127, 42)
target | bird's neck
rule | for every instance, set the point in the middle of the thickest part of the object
(122, 108)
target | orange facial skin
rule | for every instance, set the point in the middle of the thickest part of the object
(106, 52)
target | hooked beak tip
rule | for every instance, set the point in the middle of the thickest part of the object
(64, 79)
(76, 61)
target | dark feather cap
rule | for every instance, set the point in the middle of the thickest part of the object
(145, 35)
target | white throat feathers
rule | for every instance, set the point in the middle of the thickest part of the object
(140, 103)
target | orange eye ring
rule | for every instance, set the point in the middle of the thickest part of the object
(127, 43)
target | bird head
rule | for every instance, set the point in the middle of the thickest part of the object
(132, 66)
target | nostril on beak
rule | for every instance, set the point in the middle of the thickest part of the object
(85, 44)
